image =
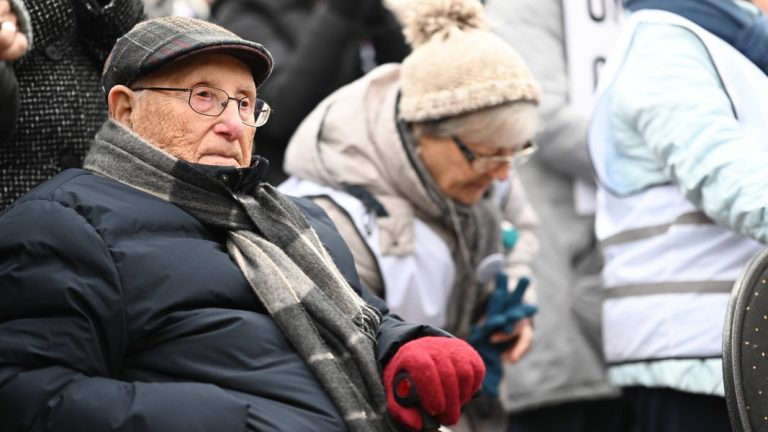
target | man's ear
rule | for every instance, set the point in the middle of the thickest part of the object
(121, 102)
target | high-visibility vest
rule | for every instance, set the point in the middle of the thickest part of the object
(668, 268)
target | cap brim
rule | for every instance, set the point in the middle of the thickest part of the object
(257, 59)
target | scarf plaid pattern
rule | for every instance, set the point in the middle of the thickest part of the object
(282, 258)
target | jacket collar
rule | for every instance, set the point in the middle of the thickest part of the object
(238, 180)
(744, 30)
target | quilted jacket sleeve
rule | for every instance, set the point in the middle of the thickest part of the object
(63, 336)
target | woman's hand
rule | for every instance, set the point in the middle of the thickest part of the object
(519, 341)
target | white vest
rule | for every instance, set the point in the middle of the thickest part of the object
(417, 287)
(669, 270)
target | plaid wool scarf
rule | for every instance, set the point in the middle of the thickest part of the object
(282, 258)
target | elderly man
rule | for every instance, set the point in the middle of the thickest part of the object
(164, 288)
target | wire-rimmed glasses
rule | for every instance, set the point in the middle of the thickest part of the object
(211, 101)
(485, 164)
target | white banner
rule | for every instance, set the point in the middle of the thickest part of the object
(591, 28)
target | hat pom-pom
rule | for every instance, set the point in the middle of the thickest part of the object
(427, 18)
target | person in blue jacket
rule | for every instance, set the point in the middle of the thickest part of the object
(166, 288)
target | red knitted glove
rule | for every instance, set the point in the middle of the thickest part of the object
(444, 373)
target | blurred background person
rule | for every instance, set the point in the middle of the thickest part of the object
(413, 162)
(562, 384)
(677, 140)
(189, 8)
(61, 105)
(318, 47)
(15, 40)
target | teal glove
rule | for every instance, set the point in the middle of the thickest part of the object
(503, 311)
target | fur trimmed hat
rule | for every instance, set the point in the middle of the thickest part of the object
(457, 64)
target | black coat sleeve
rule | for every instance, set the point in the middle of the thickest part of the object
(388, 40)
(101, 22)
(63, 337)
(9, 100)
(309, 44)
(316, 51)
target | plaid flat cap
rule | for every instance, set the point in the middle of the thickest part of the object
(154, 43)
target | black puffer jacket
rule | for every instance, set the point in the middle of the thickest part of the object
(121, 311)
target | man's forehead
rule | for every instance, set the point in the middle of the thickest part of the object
(209, 66)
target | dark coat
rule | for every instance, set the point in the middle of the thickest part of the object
(120, 311)
(61, 101)
(9, 100)
(9, 86)
(316, 51)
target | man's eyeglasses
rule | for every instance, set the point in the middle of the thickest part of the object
(210, 101)
(485, 164)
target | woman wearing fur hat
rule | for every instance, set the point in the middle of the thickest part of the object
(414, 163)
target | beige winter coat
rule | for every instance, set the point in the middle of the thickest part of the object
(352, 138)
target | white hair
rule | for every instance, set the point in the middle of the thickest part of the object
(505, 125)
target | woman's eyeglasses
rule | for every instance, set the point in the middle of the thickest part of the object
(485, 164)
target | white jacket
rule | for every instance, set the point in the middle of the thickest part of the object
(677, 141)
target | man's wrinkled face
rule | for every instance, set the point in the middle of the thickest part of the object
(165, 119)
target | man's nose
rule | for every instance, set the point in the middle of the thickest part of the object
(231, 115)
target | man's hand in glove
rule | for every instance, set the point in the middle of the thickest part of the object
(431, 378)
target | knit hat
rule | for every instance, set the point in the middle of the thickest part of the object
(154, 43)
(457, 65)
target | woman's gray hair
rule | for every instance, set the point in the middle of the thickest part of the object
(500, 126)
